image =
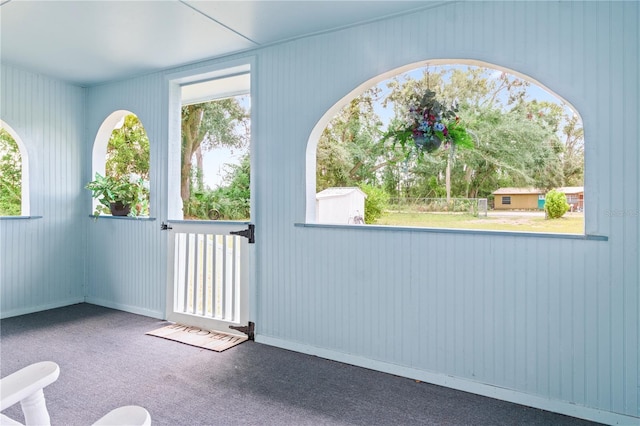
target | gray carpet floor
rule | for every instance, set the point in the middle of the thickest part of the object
(107, 361)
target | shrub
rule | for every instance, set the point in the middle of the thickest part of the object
(375, 203)
(555, 204)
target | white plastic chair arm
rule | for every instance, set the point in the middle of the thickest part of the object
(129, 415)
(6, 421)
(25, 386)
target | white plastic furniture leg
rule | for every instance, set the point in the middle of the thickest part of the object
(25, 386)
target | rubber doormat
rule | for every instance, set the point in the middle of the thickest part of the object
(213, 340)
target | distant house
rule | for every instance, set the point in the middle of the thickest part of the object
(518, 199)
(340, 206)
(575, 196)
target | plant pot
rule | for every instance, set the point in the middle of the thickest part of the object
(119, 209)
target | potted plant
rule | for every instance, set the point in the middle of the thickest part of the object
(120, 196)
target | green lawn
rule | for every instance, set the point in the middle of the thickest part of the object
(571, 223)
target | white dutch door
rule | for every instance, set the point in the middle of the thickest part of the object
(209, 188)
(210, 275)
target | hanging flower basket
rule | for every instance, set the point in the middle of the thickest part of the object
(427, 126)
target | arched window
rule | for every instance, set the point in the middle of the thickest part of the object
(14, 174)
(522, 141)
(121, 152)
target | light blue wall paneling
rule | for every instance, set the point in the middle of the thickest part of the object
(126, 265)
(41, 260)
(126, 262)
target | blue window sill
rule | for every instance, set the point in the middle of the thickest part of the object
(209, 222)
(457, 231)
(108, 217)
(19, 217)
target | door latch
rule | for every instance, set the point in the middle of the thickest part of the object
(249, 233)
(165, 226)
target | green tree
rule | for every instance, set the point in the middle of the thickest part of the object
(333, 162)
(234, 196)
(516, 140)
(128, 158)
(350, 150)
(513, 150)
(205, 126)
(10, 176)
(128, 150)
(573, 154)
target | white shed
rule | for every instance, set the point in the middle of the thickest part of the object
(340, 205)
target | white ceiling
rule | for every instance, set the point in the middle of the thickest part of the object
(89, 42)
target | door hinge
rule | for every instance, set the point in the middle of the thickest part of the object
(246, 329)
(249, 233)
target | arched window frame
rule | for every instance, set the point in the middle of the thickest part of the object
(101, 143)
(314, 137)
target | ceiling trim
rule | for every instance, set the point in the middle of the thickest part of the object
(431, 5)
(217, 22)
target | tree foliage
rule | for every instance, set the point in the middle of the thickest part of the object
(235, 193)
(128, 150)
(127, 161)
(517, 141)
(350, 149)
(206, 126)
(230, 201)
(10, 176)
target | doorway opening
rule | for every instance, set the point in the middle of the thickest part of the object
(209, 263)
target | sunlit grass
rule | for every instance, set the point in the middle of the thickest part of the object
(571, 223)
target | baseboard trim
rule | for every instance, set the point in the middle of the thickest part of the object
(126, 308)
(39, 308)
(504, 394)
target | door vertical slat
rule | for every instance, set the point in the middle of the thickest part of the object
(196, 273)
(205, 278)
(185, 283)
(214, 275)
(234, 260)
(178, 266)
(224, 277)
